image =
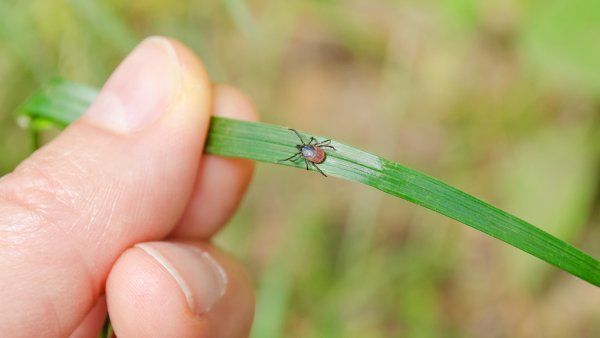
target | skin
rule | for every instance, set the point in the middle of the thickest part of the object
(81, 220)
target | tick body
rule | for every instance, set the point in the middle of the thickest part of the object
(312, 153)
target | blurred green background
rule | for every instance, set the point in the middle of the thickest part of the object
(498, 97)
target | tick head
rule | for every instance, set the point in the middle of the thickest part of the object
(299, 147)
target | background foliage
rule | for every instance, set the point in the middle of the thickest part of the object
(500, 98)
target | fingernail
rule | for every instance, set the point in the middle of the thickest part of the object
(139, 90)
(199, 276)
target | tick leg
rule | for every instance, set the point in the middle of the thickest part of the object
(291, 157)
(329, 147)
(316, 167)
(299, 136)
(324, 143)
(312, 139)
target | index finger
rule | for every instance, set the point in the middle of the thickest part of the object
(221, 182)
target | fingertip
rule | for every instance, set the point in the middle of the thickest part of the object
(221, 182)
(196, 76)
(179, 290)
(232, 103)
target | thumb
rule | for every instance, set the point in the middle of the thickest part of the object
(122, 174)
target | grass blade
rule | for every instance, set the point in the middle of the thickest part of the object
(62, 102)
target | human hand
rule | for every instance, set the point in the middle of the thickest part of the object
(124, 203)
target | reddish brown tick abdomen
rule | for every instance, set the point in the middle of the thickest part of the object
(313, 153)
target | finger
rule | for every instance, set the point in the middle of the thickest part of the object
(92, 324)
(168, 289)
(122, 174)
(221, 181)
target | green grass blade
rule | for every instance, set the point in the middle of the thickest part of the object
(62, 102)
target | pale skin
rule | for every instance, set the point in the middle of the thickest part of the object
(117, 213)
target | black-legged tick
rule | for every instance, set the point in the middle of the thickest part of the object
(312, 152)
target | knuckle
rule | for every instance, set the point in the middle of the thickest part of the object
(29, 209)
(38, 193)
(42, 197)
(51, 184)
(38, 209)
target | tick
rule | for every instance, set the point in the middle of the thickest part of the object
(312, 152)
